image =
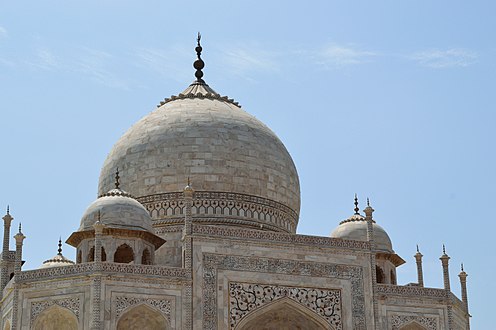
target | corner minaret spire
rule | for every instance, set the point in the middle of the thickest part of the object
(420, 275)
(199, 64)
(445, 263)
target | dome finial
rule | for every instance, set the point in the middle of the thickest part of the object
(199, 64)
(60, 247)
(356, 205)
(117, 177)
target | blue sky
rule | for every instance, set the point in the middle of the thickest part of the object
(392, 100)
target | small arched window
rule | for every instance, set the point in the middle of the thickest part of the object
(124, 254)
(104, 255)
(91, 254)
(379, 274)
(393, 277)
(146, 258)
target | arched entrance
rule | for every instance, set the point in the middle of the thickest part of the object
(142, 317)
(56, 318)
(412, 326)
(283, 314)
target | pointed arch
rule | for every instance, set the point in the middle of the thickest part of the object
(146, 257)
(393, 277)
(91, 254)
(142, 317)
(283, 314)
(124, 254)
(56, 317)
(379, 275)
(412, 325)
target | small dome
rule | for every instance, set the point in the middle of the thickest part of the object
(117, 209)
(58, 261)
(355, 228)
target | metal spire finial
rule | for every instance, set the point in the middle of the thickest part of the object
(117, 177)
(20, 228)
(368, 202)
(199, 64)
(60, 246)
(8, 210)
(189, 183)
(444, 249)
(462, 267)
(356, 205)
(418, 251)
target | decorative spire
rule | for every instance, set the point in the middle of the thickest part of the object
(60, 247)
(462, 266)
(8, 210)
(368, 202)
(117, 177)
(444, 250)
(199, 64)
(189, 183)
(356, 205)
(20, 226)
(418, 251)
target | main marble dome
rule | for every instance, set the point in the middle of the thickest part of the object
(241, 172)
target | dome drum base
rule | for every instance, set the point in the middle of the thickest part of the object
(222, 208)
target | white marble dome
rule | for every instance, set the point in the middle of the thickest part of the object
(117, 209)
(355, 228)
(233, 160)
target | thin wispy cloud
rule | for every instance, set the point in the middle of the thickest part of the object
(440, 59)
(336, 56)
(95, 64)
(3, 32)
(172, 62)
(245, 60)
(45, 59)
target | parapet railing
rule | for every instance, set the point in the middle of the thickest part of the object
(106, 268)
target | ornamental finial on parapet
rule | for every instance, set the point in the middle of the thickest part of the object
(199, 64)
(60, 247)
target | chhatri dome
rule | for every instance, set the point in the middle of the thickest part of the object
(355, 228)
(117, 209)
(241, 172)
(57, 261)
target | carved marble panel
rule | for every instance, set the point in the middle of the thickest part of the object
(397, 321)
(214, 262)
(73, 304)
(246, 297)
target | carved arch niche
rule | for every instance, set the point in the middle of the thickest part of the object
(142, 317)
(412, 326)
(283, 314)
(56, 318)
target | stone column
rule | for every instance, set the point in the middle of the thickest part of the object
(370, 238)
(445, 262)
(463, 283)
(96, 322)
(187, 241)
(188, 226)
(7, 220)
(19, 238)
(420, 274)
